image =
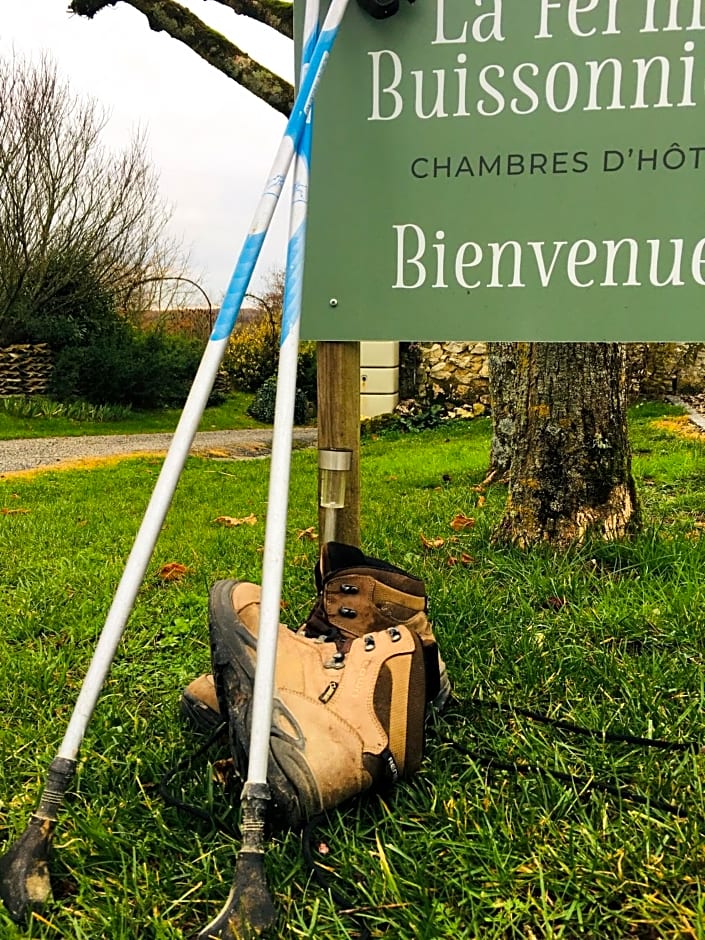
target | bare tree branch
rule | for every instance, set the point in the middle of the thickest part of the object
(277, 14)
(172, 18)
(71, 214)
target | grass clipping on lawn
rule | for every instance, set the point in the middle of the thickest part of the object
(609, 636)
(682, 426)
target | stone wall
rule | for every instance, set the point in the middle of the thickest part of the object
(458, 371)
(454, 371)
(25, 369)
(666, 368)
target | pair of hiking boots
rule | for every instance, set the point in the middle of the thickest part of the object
(352, 686)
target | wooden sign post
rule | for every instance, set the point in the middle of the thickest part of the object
(339, 425)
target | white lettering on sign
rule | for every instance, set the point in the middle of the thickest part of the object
(488, 89)
(484, 27)
(592, 85)
(623, 262)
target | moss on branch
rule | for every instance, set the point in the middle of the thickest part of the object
(183, 25)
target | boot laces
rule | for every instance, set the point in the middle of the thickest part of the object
(318, 627)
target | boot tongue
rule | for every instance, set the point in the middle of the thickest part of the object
(336, 555)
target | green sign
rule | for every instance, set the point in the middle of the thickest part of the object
(511, 170)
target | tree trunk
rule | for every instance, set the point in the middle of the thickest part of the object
(502, 381)
(571, 461)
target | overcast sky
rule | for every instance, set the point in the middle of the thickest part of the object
(210, 140)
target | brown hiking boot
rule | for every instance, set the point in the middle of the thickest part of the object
(344, 720)
(358, 594)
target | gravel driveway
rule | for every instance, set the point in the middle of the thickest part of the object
(55, 451)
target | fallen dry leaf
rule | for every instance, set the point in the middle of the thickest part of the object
(481, 500)
(224, 771)
(173, 571)
(431, 543)
(231, 522)
(309, 534)
(554, 603)
(463, 559)
(462, 522)
(13, 512)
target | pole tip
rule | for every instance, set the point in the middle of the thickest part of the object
(24, 870)
(249, 911)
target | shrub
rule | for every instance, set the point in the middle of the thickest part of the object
(143, 369)
(409, 416)
(306, 372)
(262, 407)
(252, 353)
(252, 357)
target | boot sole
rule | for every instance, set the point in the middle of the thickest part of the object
(294, 794)
(444, 693)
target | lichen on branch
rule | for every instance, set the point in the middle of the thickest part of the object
(214, 48)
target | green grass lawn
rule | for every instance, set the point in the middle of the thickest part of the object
(231, 415)
(611, 636)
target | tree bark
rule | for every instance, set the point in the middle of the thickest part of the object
(502, 381)
(179, 23)
(571, 461)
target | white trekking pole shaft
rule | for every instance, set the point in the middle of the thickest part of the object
(249, 907)
(278, 499)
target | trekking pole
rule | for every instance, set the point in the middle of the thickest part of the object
(24, 874)
(249, 907)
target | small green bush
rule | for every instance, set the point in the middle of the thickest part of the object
(410, 416)
(262, 407)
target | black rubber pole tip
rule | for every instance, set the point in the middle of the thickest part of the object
(249, 911)
(24, 871)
